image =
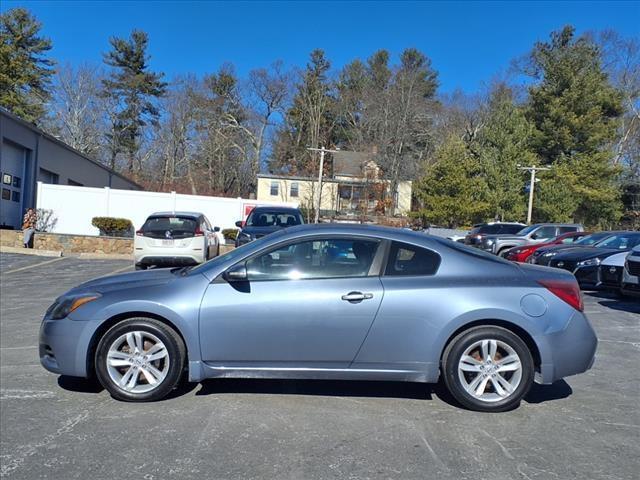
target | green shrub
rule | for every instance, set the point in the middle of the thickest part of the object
(230, 233)
(113, 227)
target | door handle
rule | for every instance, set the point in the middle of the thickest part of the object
(356, 296)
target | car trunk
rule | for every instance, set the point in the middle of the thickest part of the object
(169, 231)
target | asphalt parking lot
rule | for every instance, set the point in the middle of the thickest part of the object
(587, 427)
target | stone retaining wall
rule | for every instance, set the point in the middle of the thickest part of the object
(76, 244)
(70, 244)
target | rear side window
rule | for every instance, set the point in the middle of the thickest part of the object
(562, 230)
(510, 229)
(405, 259)
(489, 229)
(170, 227)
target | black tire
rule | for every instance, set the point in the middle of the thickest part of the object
(175, 348)
(503, 251)
(454, 351)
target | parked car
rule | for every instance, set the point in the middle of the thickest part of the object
(537, 233)
(265, 220)
(584, 262)
(479, 231)
(631, 274)
(522, 254)
(307, 302)
(611, 272)
(169, 239)
(544, 254)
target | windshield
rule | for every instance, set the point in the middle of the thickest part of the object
(265, 218)
(526, 230)
(622, 241)
(592, 239)
(235, 253)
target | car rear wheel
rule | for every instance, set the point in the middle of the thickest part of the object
(140, 360)
(488, 369)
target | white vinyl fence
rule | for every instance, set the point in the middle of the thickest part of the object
(74, 207)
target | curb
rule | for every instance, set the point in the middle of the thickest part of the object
(30, 251)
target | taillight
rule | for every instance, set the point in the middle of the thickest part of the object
(140, 233)
(566, 290)
(198, 233)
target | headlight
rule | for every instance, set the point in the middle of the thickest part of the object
(67, 304)
(488, 241)
(592, 262)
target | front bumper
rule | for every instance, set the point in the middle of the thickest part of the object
(569, 351)
(63, 346)
(631, 289)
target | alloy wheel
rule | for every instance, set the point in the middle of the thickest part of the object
(490, 370)
(137, 362)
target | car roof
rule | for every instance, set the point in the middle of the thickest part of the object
(177, 214)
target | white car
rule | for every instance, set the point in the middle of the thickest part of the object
(611, 271)
(631, 273)
(170, 239)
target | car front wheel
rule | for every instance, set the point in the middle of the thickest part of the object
(140, 360)
(488, 369)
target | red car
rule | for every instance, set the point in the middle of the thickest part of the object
(521, 253)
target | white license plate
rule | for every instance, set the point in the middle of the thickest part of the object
(167, 243)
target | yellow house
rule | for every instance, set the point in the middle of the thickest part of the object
(341, 195)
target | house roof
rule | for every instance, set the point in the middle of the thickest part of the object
(350, 163)
(59, 142)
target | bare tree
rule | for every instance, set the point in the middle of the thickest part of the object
(76, 109)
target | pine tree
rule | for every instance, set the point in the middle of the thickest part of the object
(134, 87)
(25, 71)
(453, 191)
(501, 145)
(575, 113)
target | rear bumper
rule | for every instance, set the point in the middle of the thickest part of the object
(169, 261)
(569, 351)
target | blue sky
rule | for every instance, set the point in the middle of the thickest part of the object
(468, 42)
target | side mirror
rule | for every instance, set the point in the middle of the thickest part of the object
(216, 229)
(237, 273)
(534, 236)
(239, 224)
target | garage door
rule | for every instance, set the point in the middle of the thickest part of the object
(12, 168)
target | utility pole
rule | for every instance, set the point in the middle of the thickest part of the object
(320, 170)
(532, 182)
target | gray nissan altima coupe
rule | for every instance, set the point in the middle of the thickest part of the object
(328, 302)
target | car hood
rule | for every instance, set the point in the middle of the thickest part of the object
(585, 253)
(560, 248)
(156, 276)
(261, 230)
(616, 260)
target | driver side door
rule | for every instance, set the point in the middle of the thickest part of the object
(308, 303)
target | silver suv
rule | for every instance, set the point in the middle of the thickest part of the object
(536, 233)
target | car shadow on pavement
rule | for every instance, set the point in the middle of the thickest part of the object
(335, 388)
(615, 302)
(79, 385)
(546, 393)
